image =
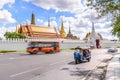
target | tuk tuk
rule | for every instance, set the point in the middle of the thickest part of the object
(81, 54)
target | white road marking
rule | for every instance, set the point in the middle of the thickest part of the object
(57, 62)
(7, 58)
(60, 61)
(4, 64)
(17, 74)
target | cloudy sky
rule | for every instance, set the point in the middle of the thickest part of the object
(74, 13)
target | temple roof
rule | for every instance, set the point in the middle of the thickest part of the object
(33, 30)
(42, 29)
(97, 35)
(39, 31)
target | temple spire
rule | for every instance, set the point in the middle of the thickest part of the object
(62, 31)
(48, 22)
(16, 31)
(69, 29)
(70, 35)
(26, 22)
(93, 28)
(62, 26)
(33, 19)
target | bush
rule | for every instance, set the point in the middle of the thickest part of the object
(14, 35)
(7, 51)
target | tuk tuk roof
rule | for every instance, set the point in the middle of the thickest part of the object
(82, 48)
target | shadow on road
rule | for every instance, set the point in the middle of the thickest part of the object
(79, 72)
(27, 54)
(96, 74)
(106, 60)
(73, 62)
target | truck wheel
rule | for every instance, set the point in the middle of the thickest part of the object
(31, 53)
(35, 52)
(46, 52)
(51, 52)
(54, 51)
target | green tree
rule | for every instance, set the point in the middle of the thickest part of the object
(7, 35)
(108, 7)
(0, 38)
(13, 35)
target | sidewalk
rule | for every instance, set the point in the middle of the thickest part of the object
(113, 69)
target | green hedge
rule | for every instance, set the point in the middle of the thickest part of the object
(7, 51)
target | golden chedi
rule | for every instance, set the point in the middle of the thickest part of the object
(62, 31)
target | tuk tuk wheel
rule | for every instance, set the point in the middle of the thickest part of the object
(76, 61)
(88, 59)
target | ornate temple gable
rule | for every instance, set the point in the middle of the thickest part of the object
(29, 30)
(23, 29)
(100, 36)
(62, 31)
(57, 33)
(87, 36)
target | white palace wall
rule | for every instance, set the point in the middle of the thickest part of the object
(21, 44)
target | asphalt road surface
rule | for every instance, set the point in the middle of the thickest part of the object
(59, 66)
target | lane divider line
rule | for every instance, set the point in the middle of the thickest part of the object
(24, 72)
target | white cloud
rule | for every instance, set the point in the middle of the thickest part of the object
(27, 0)
(52, 18)
(23, 7)
(53, 23)
(39, 21)
(4, 29)
(3, 2)
(6, 17)
(105, 25)
(59, 5)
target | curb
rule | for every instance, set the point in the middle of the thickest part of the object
(113, 69)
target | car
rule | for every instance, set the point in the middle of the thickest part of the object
(113, 49)
(92, 46)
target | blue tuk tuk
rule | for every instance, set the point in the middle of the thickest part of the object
(81, 55)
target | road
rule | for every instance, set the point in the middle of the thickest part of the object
(59, 66)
